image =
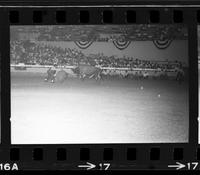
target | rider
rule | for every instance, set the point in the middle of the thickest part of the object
(50, 75)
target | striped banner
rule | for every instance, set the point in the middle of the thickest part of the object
(83, 44)
(162, 44)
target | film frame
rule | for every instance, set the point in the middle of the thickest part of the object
(144, 156)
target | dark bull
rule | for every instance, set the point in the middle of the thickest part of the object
(61, 76)
(87, 71)
(54, 76)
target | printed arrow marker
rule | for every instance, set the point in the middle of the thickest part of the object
(177, 166)
(88, 166)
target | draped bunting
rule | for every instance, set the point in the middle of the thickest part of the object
(121, 44)
(83, 44)
(162, 44)
(118, 44)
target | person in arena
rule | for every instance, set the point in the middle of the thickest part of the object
(180, 75)
(140, 75)
(145, 75)
(50, 75)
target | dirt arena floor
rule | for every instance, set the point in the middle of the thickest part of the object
(109, 111)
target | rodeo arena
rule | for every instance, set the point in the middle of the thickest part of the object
(99, 84)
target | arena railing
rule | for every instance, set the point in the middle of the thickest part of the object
(104, 68)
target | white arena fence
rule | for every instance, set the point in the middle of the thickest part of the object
(71, 67)
(171, 73)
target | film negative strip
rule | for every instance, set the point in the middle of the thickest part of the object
(99, 86)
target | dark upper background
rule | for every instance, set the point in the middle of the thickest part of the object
(99, 2)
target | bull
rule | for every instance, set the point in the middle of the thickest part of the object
(88, 71)
(56, 76)
(61, 76)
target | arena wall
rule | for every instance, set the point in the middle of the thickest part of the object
(177, 50)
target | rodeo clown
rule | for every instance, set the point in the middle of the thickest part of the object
(51, 74)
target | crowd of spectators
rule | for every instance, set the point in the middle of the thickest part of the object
(42, 54)
(130, 62)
